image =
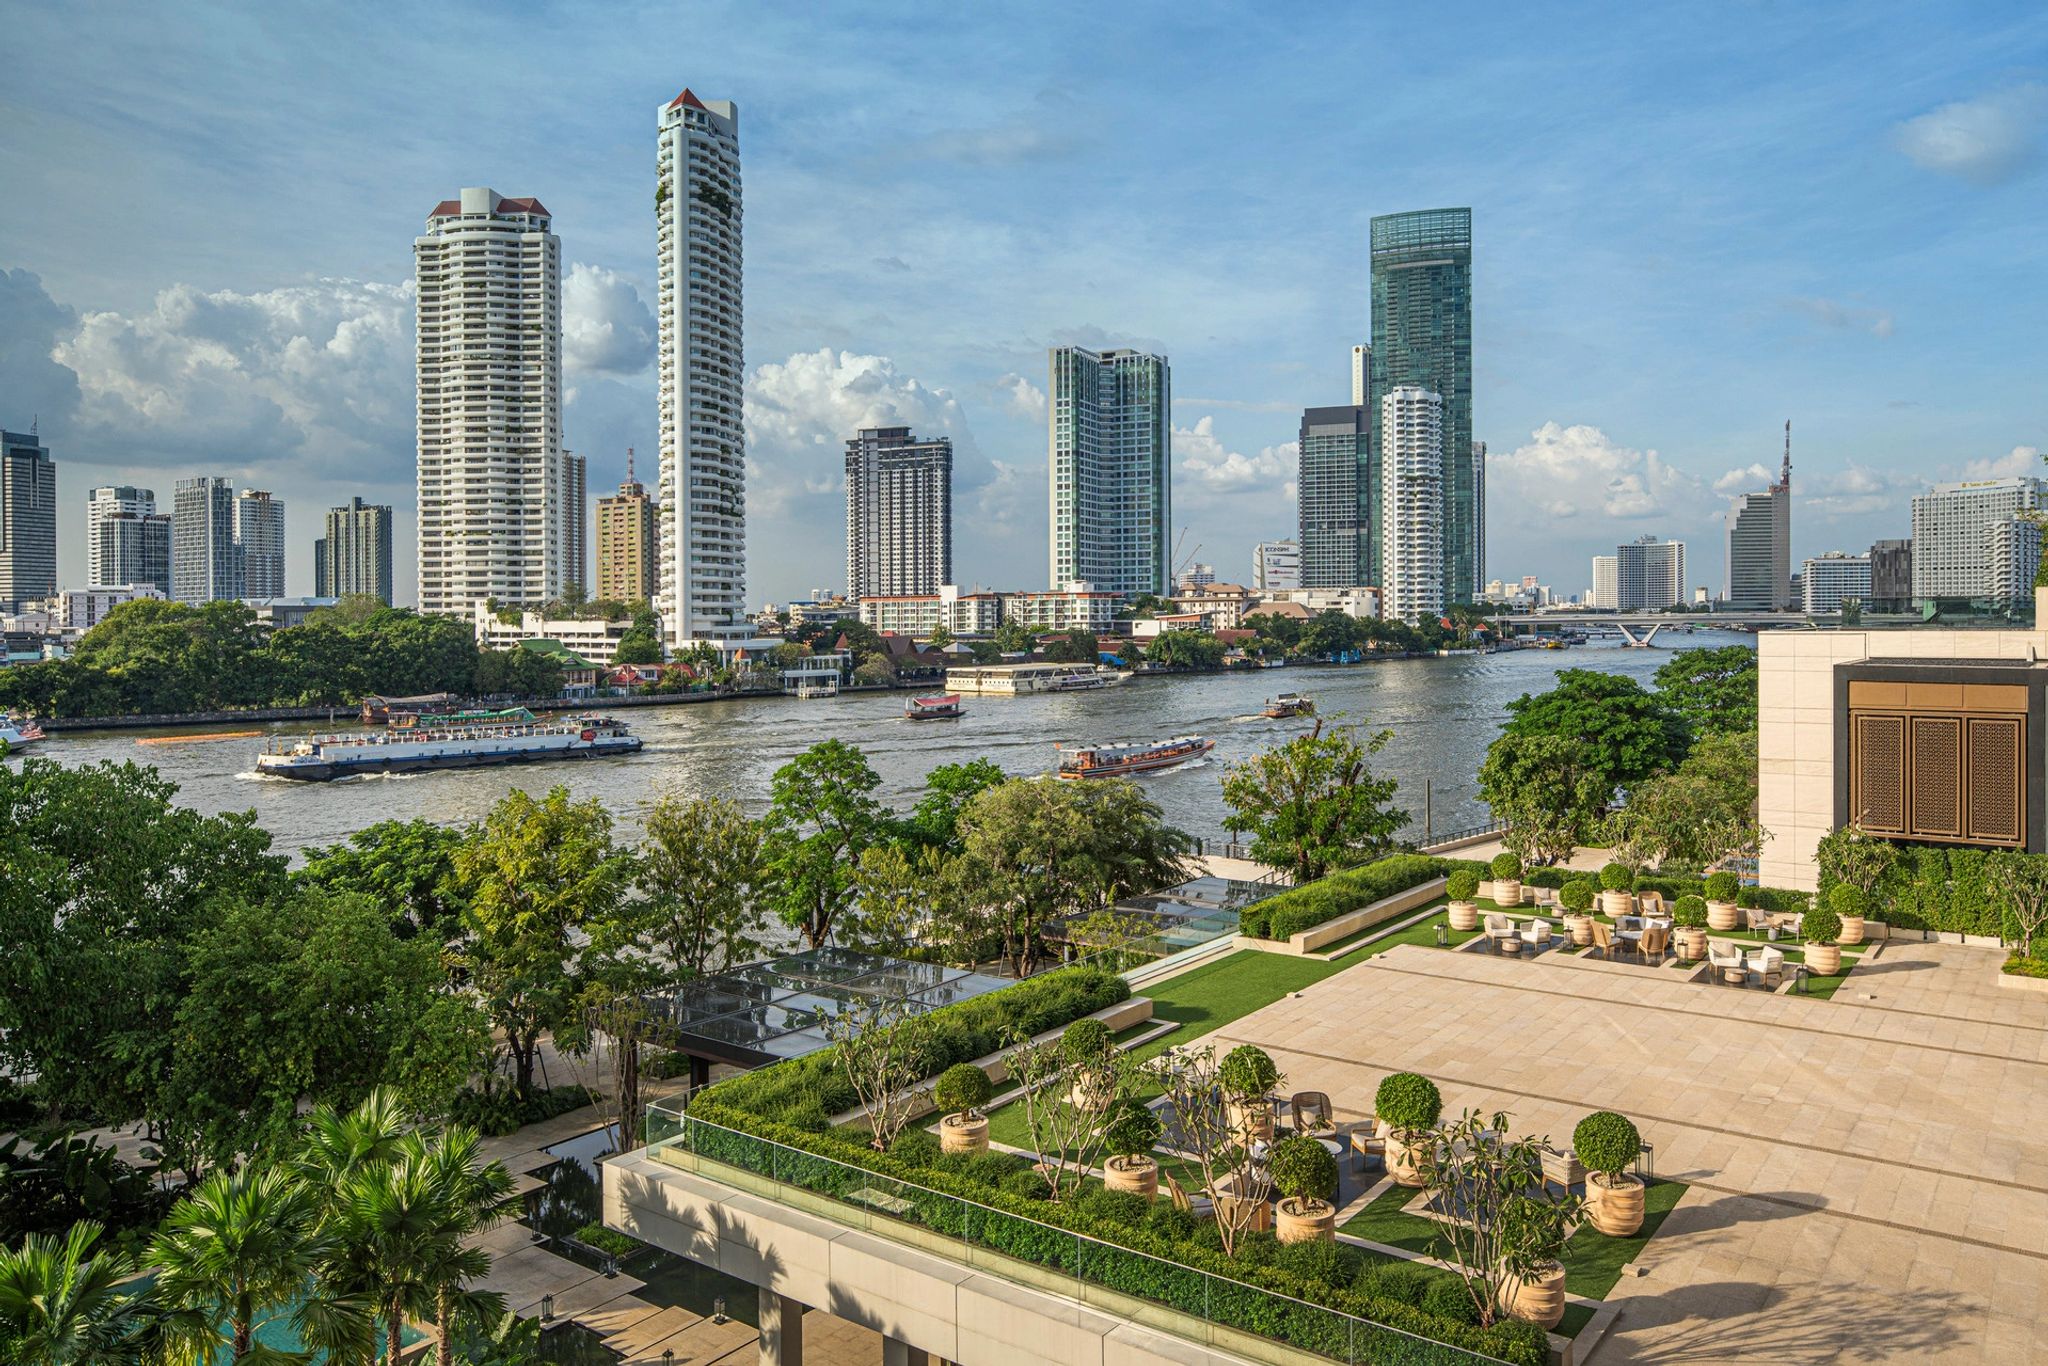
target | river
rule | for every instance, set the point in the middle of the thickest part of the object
(1443, 712)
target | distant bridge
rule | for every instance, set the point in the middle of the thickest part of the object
(1632, 624)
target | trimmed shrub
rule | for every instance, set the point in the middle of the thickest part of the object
(1302, 908)
(1577, 896)
(1615, 877)
(1689, 912)
(1506, 864)
(1303, 1169)
(963, 1088)
(1085, 1041)
(1722, 886)
(1846, 901)
(1553, 878)
(1247, 1072)
(1113, 1207)
(1606, 1142)
(1462, 885)
(1401, 1282)
(1447, 1298)
(1821, 925)
(1408, 1100)
(1749, 898)
(1026, 1184)
(1130, 1128)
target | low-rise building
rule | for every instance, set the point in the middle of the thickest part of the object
(1151, 628)
(1361, 602)
(81, 609)
(277, 613)
(593, 639)
(1827, 582)
(1220, 605)
(1077, 607)
(823, 609)
(963, 614)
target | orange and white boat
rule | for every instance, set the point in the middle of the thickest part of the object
(943, 707)
(1123, 761)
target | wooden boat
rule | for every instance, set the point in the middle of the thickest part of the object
(942, 707)
(1122, 761)
(1288, 704)
(380, 711)
(16, 731)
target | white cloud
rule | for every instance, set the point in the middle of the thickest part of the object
(1748, 479)
(1843, 317)
(2015, 463)
(32, 385)
(1985, 140)
(1021, 397)
(1013, 495)
(1566, 472)
(606, 327)
(1217, 468)
(1855, 490)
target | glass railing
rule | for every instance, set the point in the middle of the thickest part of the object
(1164, 1295)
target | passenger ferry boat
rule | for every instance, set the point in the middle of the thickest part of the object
(944, 707)
(1289, 704)
(387, 711)
(1121, 761)
(16, 731)
(323, 758)
(1008, 680)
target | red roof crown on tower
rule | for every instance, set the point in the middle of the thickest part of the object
(688, 100)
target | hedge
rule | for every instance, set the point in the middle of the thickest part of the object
(1938, 889)
(1302, 908)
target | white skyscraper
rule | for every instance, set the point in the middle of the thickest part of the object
(1109, 439)
(1649, 575)
(703, 486)
(491, 468)
(117, 516)
(1966, 544)
(1412, 503)
(1606, 594)
(1828, 581)
(259, 543)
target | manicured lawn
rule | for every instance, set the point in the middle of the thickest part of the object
(1423, 934)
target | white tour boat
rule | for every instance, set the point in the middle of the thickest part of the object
(323, 758)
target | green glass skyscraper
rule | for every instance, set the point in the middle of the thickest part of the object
(1422, 336)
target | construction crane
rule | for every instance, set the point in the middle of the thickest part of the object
(1181, 564)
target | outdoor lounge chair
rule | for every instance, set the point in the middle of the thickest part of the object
(1536, 932)
(1368, 1147)
(1768, 964)
(1186, 1203)
(1562, 1166)
(1724, 959)
(1757, 917)
(1603, 938)
(1651, 903)
(1312, 1113)
(1498, 926)
(1653, 943)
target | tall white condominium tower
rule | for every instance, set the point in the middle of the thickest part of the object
(1412, 503)
(491, 468)
(205, 565)
(1606, 594)
(259, 541)
(575, 505)
(899, 514)
(1649, 575)
(127, 540)
(28, 520)
(1978, 539)
(703, 485)
(1111, 470)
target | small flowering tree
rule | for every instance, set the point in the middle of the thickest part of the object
(1069, 1084)
(1495, 1219)
(1202, 1129)
(886, 1049)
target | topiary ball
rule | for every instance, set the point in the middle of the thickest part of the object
(1846, 901)
(963, 1088)
(1722, 886)
(1505, 864)
(1130, 1128)
(1820, 925)
(1303, 1169)
(1616, 877)
(1576, 896)
(1462, 885)
(1689, 912)
(1248, 1073)
(1085, 1041)
(1606, 1142)
(1408, 1101)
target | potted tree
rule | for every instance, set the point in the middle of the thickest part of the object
(1821, 928)
(1129, 1130)
(1247, 1077)
(1722, 912)
(1608, 1145)
(1409, 1104)
(1848, 903)
(1306, 1177)
(1089, 1053)
(1617, 885)
(963, 1089)
(1576, 897)
(1462, 886)
(1689, 928)
(1507, 878)
(1531, 1235)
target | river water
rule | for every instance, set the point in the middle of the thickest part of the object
(1443, 712)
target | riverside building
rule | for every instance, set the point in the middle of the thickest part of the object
(626, 543)
(259, 543)
(28, 521)
(205, 565)
(899, 513)
(1337, 503)
(1828, 582)
(1412, 510)
(127, 541)
(1649, 575)
(1760, 545)
(1109, 438)
(1276, 565)
(354, 557)
(1977, 540)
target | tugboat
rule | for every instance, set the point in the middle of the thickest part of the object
(323, 758)
(1289, 704)
(16, 731)
(944, 707)
(1121, 761)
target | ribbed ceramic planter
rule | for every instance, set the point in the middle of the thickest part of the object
(1581, 929)
(1723, 915)
(1305, 1222)
(1617, 903)
(1464, 915)
(1403, 1162)
(1615, 1210)
(1823, 960)
(959, 1134)
(1507, 891)
(1690, 942)
(1539, 1300)
(1852, 930)
(1141, 1175)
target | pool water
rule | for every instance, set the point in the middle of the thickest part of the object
(274, 1330)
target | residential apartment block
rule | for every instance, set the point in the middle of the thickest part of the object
(354, 557)
(1413, 516)
(920, 614)
(1827, 582)
(627, 544)
(28, 521)
(899, 513)
(1649, 575)
(1337, 503)
(127, 541)
(206, 565)
(1110, 447)
(259, 543)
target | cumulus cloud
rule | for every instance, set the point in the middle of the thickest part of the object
(1985, 141)
(33, 385)
(1566, 472)
(1748, 479)
(606, 327)
(2018, 462)
(1856, 490)
(1020, 397)
(1842, 317)
(1217, 468)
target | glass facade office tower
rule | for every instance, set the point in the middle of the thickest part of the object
(1340, 540)
(205, 563)
(259, 541)
(126, 540)
(1412, 504)
(1760, 545)
(28, 520)
(355, 554)
(1422, 337)
(899, 514)
(1110, 443)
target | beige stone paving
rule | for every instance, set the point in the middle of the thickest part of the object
(1870, 1174)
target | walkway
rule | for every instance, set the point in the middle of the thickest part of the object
(1870, 1176)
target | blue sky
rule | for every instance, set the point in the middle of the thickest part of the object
(1689, 227)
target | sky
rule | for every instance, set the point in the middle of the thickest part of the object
(1690, 225)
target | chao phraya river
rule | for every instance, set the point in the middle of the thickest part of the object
(1443, 712)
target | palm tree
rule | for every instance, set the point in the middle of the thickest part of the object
(385, 1221)
(61, 1306)
(474, 1195)
(337, 1145)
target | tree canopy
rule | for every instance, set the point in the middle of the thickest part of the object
(1623, 732)
(1313, 803)
(822, 815)
(1714, 690)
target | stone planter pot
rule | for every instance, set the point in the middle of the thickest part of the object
(1538, 1300)
(1580, 927)
(959, 1134)
(1690, 942)
(1404, 1161)
(1823, 960)
(1617, 903)
(1507, 891)
(1723, 915)
(1852, 930)
(1615, 1210)
(1254, 1121)
(1464, 915)
(1485, 888)
(1138, 1174)
(1306, 1221)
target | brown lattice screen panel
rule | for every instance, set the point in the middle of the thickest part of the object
(1935, 777)
(1997, 803)
(1878, 774)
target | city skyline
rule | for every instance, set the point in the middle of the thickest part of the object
(1823, 275)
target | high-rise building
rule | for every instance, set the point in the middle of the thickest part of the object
(102, 505)
(205, 563)
(1422, 337)
(1412, 505)
(1361, 375)
(575, 523)
(1110, 446)
(1340, 541)
(491, 471)
(28, 520)
(1649, 575)
(1891, 575)
(1964, 546)
(1828, 581)
(1606, 594)
(1276, 566)
(703, 485)
(1478, 512)
(899, 513)
(127, 541)
(1760, 545)
(259, 542)
(626, 545)
(354, 557)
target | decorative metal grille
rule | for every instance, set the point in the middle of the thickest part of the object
(1997, 802)
(1878, 774)
(1936, 777)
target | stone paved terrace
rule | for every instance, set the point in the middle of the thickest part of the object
(1870, 1174)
